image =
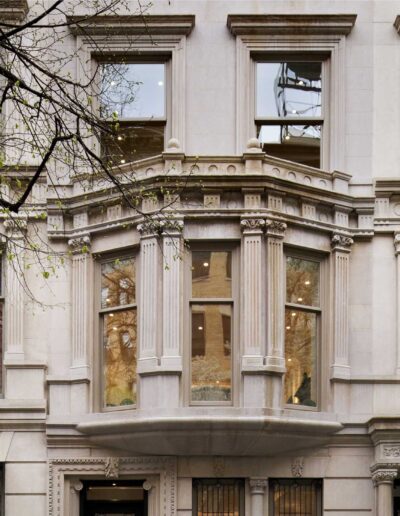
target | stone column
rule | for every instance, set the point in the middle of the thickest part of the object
(14, 306)
(275, 359)
(172, 295)
(81, 321)
(383, 481)
(257, 491)
(341, 245)
(397, 254)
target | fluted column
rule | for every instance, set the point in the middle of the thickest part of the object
(14, 278)
(172, 295)
(252, 293)
(396, 242)
(383, 481)
(275, 232)
(257, 492)
(341, 246)
(81, 305)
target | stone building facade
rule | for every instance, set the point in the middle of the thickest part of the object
(240, 355)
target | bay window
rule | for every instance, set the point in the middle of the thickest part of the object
(118, 329)
(211, 307)
(302, 321)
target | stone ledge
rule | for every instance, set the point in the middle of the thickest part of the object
(13, 10)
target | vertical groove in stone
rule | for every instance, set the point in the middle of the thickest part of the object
(171, 296)
(148, 295)
(15, 305)
(252, 294)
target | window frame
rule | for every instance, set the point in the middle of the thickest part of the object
(215, 482)
(299, 481)
(323, 120)
(322, 335)
(98, 395)
(211, 246)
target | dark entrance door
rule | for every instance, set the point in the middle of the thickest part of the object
(396, 497)
(113, 498)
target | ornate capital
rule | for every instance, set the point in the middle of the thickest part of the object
(258, 485)
(160, 226)
(384, 476)
(341, 242)
(396, 242)
(111, 467)
(252, 225)
(79, 244)
(297, 467)
(15, 226)
(275, 228)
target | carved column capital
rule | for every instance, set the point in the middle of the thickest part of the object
(15, 226)
(384, 475)
(157, 227)
(252, 225)
(275, 228)
(341, 242)
(79, 244)
(258, 485)
(396, 242)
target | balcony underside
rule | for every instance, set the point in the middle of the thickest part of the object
(204, 434)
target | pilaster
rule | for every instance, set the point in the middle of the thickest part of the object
(396, 241)
(341, 246)
(383, 476)
(257, 492)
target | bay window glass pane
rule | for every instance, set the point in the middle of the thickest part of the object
(211, 365)
(119, 358)
(297, 143)
(300, 356)
(133, 90)
(302, 281)
(289, 89)
(129, 142)
(211, 274)
(118, 286)
(300, 497)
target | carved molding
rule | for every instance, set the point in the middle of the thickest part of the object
(341, 242)
(384, 476)
(252, 225)
(275, 228)
(396, 242)
(391, 451)
(258, 485)
(165, 467)
(111, 467)
(79, 244)
(297, 467)
(15, 226)
(158, 227)
(13, 10)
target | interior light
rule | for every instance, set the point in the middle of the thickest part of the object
(114, 484)
(287, 137)
(306, 282)
(293, 314)
(217, 381)
(300, 83)
(300, 299)
(111, 315)
(119, 138)
(160, 83)
(288, 327)
(115, 328)
(295, 399)
(108, 300)
(200, 327)
(205, 264)
(289, 359)
(122, 161)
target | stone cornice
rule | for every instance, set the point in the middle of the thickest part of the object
(151, 25)
(13, 11)
(397, 23)
(291, 24)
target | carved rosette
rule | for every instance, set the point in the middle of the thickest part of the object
(297, 467)
(258, 485)
(341, 242)
(252, 225)
(79, 244)
(396, 242)
(384, 476)
(111, 467)
(275, 228)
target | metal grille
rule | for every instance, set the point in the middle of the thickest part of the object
(296, 497)
(218, 497)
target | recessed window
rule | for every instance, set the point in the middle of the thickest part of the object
(133, 101)
(211, 308)
(289, 111)
(118, 321)
(301, 331)
(215, 497)
(295, 497)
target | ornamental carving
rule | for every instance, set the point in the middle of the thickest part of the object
(384, 476)
(342, 241)
(15, 225)
(391, 451)
(297, 467)
(252, 224)
(158, 227)
(219, 466)
(258, 485)
(396, 242)
(79, 244)
(111, 467)
(275, 228)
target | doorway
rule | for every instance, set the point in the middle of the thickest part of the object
(113, 498)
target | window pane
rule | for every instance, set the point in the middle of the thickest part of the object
(214, 497)
(289, 89)
(120, 358)
(302, 281)
(300, 355)
(135, 90)
(297, 143)
(211, 274)
(129, 142)
(300, 497)
(211, 352)
(118, 283)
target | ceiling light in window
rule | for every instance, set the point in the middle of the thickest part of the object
(293, 314)
(114, 484)
(299, 299)
(288, 327)
(115, 328)
(217, 382)
(205, 264)
(119, 138)
(287, 137)
(200, 328)
(108, 300)
(111, 315)
(160, 83)
(307, 282)
(289, 359)
(122, 161)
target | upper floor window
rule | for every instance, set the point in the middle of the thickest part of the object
(289, 109)
(133, 101)
(118, 327)
(211, 306)
(302, 316)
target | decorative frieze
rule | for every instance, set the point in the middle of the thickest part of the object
(252, 201)
(275, 202)
(212, 201)
(391, 451)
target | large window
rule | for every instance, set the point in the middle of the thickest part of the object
(217, 497)
(299, 497)
(133, 101)
(118, 327)
(289, 109)
(302, 316)
(211, 308)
